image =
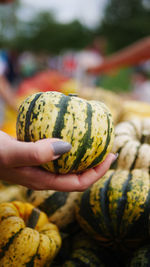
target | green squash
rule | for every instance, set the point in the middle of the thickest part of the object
(140, 258)
(116, 209)
(85, 252)
(59, 206)
(86, 125)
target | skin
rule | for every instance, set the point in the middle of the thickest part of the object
(19, 163)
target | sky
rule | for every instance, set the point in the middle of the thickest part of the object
(87, 11)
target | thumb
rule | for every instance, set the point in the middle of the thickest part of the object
(34, 153)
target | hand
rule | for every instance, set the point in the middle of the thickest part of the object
(19, 163)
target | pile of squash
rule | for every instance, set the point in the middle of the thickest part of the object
(106, 225)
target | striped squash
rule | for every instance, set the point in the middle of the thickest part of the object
(87, 125)
(86, 253)
(27, 237)
(140, 258)
(132, 142)
(59, 206)
(116, 209)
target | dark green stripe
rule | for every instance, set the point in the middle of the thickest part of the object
(59, 124)
(86, 258)
(33, 218)
(104, 201)
(102, 154)
(136, 156)
(28, 117)
(6, 247)
(18, 122)
(86, 209)
(135, 230)
(86, 141)
(54, 202)
(74, 262)
(122, 202)
(36, 255)
(31, 262)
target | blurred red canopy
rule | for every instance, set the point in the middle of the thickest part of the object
(131, 55)
(6, 1)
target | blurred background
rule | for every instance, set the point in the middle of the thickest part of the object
(50, 45)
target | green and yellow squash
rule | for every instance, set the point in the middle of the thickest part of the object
(86, 125)
(116, 209)
(132, 142)
(86, 253)
(27, 237)
(59, 206)
(140, 258)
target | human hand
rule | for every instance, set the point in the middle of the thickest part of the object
(19, 164)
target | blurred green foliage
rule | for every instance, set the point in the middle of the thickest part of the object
(42, 33)
(118, 80)
(124, 22)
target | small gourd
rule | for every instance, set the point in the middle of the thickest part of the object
(86, 125)
(132, 143)
(27, 237)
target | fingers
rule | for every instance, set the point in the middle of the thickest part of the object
(17, 153)
(92, 175)
(39, 179)
(73, 182)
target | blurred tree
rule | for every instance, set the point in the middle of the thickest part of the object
(8, 22)
(124, 22)
(42, 33)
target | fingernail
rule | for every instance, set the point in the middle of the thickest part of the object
(61, 147)
(116, 156)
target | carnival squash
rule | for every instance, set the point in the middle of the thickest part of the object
(59, 206)
(132, 142)
(116, 209)
(87, 125)
(27, 237)
(140, 258)
(86, 253)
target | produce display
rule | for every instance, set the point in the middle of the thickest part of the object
(86, 125)
(59, 206)
(115, 210)
(27, 237)
(85, 253)
(114, 102)
(132, 142)
(109, 223)
(132, 109)
(141, 257)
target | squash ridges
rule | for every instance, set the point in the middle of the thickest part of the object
(86, 140)
(59, 124)
(53, 202)
(102, 154)
(28, 117)
(6, 247)
(122, 201)
(105, 204)
(87, 213)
